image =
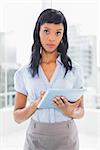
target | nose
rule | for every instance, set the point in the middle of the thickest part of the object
(51, 38)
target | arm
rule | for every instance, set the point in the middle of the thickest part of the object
(21, 111)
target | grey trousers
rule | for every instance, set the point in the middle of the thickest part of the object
(52, 136)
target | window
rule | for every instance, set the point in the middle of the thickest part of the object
(15, 43)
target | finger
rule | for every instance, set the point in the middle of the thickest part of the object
(60, 101)
(57, 97)
(79, 100)
(65, 101)
(42, 92)
(55, 101)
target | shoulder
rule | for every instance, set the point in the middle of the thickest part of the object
(22, 70)
(75, 64)
(76, 68)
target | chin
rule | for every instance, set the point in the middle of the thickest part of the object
(50, 50)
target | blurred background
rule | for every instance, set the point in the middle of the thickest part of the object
(17, 21)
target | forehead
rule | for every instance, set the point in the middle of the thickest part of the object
(53, 26)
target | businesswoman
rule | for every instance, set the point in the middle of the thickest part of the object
(49, 67)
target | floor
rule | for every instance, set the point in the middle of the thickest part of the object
(15, 141)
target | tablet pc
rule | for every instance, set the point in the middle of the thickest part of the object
(71, 94)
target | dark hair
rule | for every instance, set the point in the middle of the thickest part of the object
(56, 17)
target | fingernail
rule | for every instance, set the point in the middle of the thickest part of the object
(42, 92)
(62, 97)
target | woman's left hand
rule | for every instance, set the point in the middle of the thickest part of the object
(74, 110)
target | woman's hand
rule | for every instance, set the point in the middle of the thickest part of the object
(74, 110)
(36, 102)
(23, 112)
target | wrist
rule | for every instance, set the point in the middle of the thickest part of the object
(78, 114)
(69, 114)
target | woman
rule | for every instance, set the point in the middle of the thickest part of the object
(50, 67)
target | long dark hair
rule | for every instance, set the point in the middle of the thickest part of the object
(56, 17)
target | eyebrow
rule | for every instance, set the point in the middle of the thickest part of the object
(49, 28)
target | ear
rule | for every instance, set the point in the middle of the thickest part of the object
(61, 41)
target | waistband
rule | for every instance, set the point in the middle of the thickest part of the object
(51, 128)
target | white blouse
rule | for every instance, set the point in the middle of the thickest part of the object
(31, 87)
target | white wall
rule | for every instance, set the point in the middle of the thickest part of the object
(7, 123)
(90, 123)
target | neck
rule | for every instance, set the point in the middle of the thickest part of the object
(48, 57)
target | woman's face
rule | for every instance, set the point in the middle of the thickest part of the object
(51, 35)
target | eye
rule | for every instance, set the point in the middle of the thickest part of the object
(46, 31)
(58, 33)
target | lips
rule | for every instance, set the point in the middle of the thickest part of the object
(51, 45)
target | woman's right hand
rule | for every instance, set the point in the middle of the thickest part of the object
(41, 94)
(36, 102)
(21, 112)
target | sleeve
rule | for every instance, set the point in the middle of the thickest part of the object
(79, 79)
(19, 84)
